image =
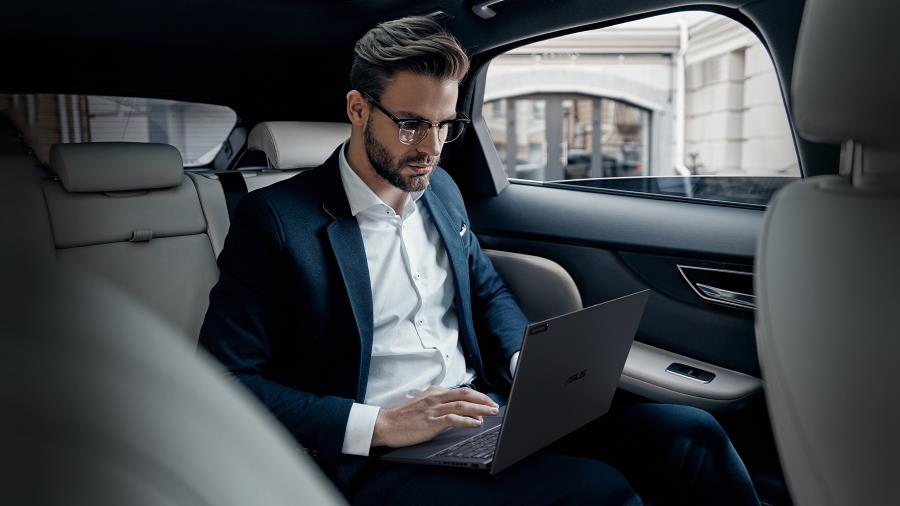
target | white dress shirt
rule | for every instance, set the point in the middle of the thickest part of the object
(415, 342)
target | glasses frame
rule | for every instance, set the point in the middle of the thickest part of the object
(461, 119)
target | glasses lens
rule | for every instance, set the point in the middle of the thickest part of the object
(409, 132)
(454, 130)
(413, 131)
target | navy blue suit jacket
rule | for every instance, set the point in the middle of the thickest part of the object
(291, 314)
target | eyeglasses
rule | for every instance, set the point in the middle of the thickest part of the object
(413, 130)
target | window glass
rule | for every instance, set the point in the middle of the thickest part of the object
(197, 130)
(682, 94)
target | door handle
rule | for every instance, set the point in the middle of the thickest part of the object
(706, 283)
(721, 295)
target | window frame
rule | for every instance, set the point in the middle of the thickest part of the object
(487, 174)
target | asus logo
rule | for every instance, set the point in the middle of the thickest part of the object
(575, 377)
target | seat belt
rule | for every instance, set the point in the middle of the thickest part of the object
(234, 187)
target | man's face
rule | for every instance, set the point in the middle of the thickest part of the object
(408, 96)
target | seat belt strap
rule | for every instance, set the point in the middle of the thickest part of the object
(234, 187)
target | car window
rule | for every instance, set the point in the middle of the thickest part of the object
(197, 130)
(689, 94)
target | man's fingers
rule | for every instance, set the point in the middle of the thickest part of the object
(430, 391)
(464, 408)
(466, 394)
(453, 420)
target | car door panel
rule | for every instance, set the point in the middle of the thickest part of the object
(544, 289)
(605, 242)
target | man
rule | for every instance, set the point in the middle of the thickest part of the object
(350, 296)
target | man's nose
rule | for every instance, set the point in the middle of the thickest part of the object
(431, 144)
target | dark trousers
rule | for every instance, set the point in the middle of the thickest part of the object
(656, 454)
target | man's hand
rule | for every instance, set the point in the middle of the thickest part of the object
(425, 416)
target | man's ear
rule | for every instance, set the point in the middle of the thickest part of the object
(357, 108)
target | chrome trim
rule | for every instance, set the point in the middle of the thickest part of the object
(733, 301)
(722, 295)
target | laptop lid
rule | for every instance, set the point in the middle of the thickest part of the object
(567, 375)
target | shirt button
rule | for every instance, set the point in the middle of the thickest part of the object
(418, 276)
(421, 322)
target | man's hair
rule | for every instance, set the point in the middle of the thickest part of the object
(417, 44)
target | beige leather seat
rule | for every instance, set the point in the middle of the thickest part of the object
(106, 403)
(126, 213)
(828, 267)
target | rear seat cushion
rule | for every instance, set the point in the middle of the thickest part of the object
(116, 166)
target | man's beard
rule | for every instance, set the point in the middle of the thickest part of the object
(392, 173)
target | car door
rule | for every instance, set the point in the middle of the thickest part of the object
(685, 228)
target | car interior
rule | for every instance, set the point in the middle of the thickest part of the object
(770, 291)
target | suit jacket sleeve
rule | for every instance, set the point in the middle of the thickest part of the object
(247, 312)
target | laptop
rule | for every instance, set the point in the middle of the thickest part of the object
(568, 372)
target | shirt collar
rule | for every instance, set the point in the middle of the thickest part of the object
(359, 195)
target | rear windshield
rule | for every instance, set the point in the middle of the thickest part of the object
(197, 130)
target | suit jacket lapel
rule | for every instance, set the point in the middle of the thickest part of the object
(457, 253)
(347, 244)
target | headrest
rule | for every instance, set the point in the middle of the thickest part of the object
(116, 166)
(846, 83)
(297, 144)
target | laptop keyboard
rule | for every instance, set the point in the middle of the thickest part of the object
(481, 446)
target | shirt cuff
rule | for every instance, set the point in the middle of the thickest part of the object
(513, 363)
(360, 428)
